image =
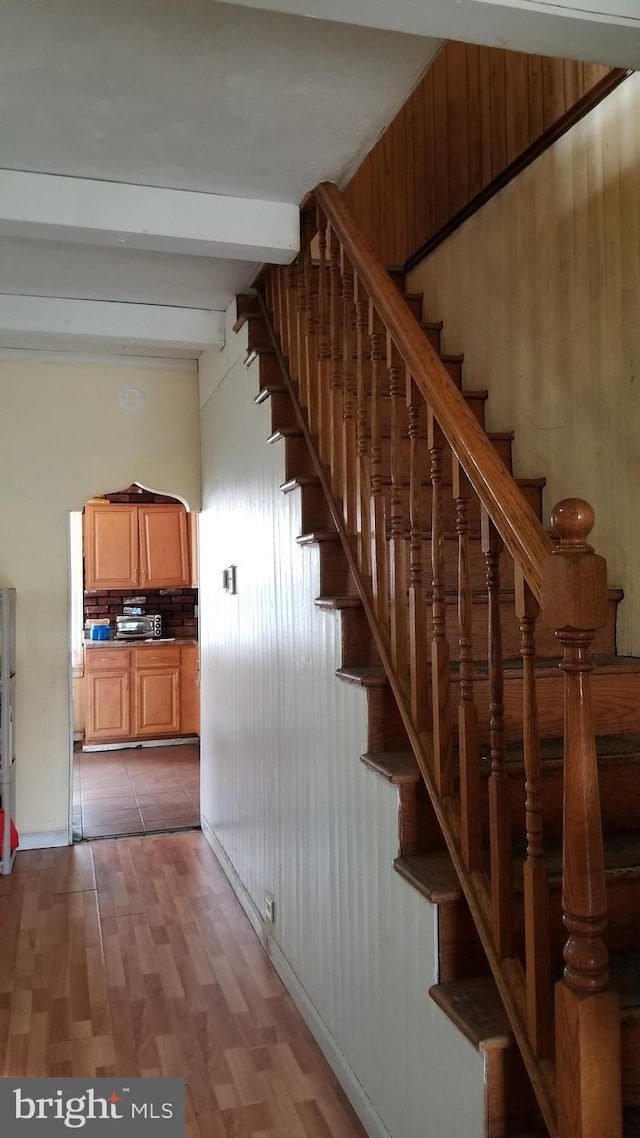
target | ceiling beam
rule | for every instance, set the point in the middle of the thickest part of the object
(597, 31)
(34, 320)
(147, 217)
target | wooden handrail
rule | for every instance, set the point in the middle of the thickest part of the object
(524, 537)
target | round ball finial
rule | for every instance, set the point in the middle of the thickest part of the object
(573, 519)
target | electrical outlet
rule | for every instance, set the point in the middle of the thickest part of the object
(269, 908)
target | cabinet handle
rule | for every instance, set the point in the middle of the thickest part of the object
(126, 682)
(135, 576)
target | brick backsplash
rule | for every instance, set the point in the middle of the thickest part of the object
(176, 606)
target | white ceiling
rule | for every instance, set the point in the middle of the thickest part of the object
(191, 96)
(214, 119)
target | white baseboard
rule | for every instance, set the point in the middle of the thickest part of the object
(45, 840)
(133, 744)
(350, 1084)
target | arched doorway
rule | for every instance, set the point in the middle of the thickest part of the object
(136, 690)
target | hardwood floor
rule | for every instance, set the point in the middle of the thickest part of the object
(137, 790)
(133, 957)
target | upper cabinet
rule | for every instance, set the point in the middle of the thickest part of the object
(130, 547)
(111, 547)
(164, 546)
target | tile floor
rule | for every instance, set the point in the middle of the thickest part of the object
(139, 790)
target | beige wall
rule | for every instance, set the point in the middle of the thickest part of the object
(285, 796)
(63, 438)
(541, 290)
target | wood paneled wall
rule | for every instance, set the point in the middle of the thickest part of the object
(475, 112)
(540, 290)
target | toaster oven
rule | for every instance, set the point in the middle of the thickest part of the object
(144, 627)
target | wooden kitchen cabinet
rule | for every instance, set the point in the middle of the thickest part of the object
(157, 692)
(148, 692)
(164, 547)
(190, 691)
(111, 550)
(131, 547)
(108, 696)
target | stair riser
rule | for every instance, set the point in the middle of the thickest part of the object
(268, 371)
(476, 403)
(615, 704)
(315, 513)
(418, 829)
(283, 416)
(258, 332)
(336, 579)
(546, 643)
(298, 462)
(402, 454)
(631, 1062)
(386, 730)
(531, 494)
(358, 646)
(620, 802)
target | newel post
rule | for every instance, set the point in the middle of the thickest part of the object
(574, 601)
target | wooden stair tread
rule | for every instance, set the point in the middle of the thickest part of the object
(476, 1009)
(371, 676)
(610, 749)
(395, 766)
(317, 536)
(285, 433)
(621, 855)
(256, 353)
(300, 480)
(624, 972)
(545, 666)
(335, 604)
(268, 390)
(432, 875)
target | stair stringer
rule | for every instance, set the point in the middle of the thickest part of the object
(405, 906)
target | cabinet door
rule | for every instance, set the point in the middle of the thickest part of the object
(190, 692)
(111, 547)
(157, 701)
(164, 547)
(108, 716)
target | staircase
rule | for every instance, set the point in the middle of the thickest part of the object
(474, 632)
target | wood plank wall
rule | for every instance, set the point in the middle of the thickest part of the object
(476, 111)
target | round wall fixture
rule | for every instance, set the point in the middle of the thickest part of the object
(131, 399)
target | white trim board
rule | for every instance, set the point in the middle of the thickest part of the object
(349, 1082)
(44, 840)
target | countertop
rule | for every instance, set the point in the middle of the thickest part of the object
(178, 642)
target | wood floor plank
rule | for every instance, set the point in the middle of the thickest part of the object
(132, 957)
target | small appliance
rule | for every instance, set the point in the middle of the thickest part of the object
(144, 626)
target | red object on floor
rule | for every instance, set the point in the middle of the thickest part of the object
(15, 841)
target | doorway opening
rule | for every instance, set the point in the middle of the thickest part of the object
(134, 641)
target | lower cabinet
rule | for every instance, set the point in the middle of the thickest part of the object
(141, 693)
(157, 692)
(108, 695)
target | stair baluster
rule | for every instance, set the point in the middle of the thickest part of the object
(397, 562)
(363, 461)
(349, 481)
(499, 803)
(468, 738)
(419, 687)
(336, 340)
(379, 573)
(323, 364)
(440, 654)
(536, 906)
(574, 589)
